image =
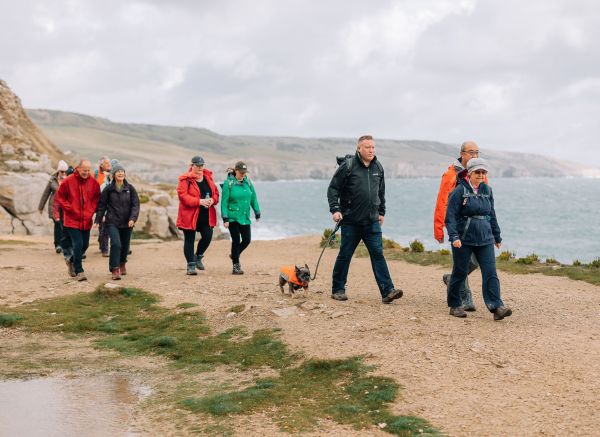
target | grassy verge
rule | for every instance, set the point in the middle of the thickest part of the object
(505, 262)
(303, 392)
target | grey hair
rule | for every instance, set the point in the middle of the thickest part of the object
(103, 159)
(82, 160)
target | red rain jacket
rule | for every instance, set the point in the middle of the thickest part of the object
(189, 200)
(78, 199)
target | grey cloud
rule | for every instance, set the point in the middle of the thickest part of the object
(513, 75)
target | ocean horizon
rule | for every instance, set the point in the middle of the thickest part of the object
(552, 217)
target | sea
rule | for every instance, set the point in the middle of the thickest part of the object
(552, 217)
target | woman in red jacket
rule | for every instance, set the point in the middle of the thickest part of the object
(198, 196)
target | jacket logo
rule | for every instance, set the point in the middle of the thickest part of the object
(375, 174)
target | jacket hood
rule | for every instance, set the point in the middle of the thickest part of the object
(190, 175)
(458, 165)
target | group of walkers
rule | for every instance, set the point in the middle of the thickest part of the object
(356, 196)
(79, 200)
(198, 196)
(465, 206)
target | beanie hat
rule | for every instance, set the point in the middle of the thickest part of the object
(115, 167)
(62, 166)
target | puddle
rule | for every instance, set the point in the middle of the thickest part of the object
(99, 405)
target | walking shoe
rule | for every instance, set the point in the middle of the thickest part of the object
(58, 249)
(123, 269)
(469, 307)
(116, 274)
(502, 312)
(81, 277)
(191, 269)
(237, 269)
(199, 264)
(446, 278)
(105, 255)
(339, 295)
(70, 268)
(394, 294)
(457, 312)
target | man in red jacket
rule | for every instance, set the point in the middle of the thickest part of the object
(78, 197)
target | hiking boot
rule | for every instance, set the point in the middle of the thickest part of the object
(502, 312)
(105, 255)
(70, 268)
(191, 269)
(339, 295)
(81, 277)
(458, 312)
(123, 269)
(446, 278)
(116, 274)
(395, 293)
(237, 269)
(58, 249)
(469, 307)
(199, 264)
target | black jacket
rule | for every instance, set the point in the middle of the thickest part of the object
(464, 206)
(119, 207)
(359, 194)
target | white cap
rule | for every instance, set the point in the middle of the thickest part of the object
(477, 164)
(62, 166)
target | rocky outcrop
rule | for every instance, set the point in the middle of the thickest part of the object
(27, 159)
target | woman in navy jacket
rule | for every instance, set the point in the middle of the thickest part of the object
(473, 229)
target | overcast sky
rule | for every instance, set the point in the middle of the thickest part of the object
(511, 74)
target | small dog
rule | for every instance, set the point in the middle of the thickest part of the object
(296, 278)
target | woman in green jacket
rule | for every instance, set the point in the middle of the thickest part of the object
(237, 198)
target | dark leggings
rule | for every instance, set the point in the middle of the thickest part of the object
(119, 245)
(238, 231)
(206, 233)
(58, 232)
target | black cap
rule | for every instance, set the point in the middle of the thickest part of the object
(197, 160)
(241, 166)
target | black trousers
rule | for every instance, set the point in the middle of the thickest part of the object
(58, 232)
(119, 245)
(240, 239)
(206, 234)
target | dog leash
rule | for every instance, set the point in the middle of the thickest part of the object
(337, 226)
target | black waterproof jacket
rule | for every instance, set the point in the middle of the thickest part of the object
(359, 194)
(471, 217)
(119, 206)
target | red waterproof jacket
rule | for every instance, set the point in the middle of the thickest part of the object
(189, 200)
(78, 199)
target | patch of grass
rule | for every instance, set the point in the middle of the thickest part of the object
(577, 263)
(186, 305)
(18, 242)
(444, 252)
(341, 390)
(505, 255)
(144, 198)
(8, 320)
(551, 261)
(128, 320)
(530, 259)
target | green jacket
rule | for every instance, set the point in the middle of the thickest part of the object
(236, 200)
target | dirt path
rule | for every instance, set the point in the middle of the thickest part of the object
(536, 373)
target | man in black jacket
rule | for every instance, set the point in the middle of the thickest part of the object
(356, 196)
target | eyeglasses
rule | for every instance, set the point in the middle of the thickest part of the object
(471, 152)
(483, 172)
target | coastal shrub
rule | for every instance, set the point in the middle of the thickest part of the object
(577, 263)
(325, 238)
(444, 252)
(551, 261)
(390, 244)
(506, 255)
(595, 264)
(416, 246)
(532, 258)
